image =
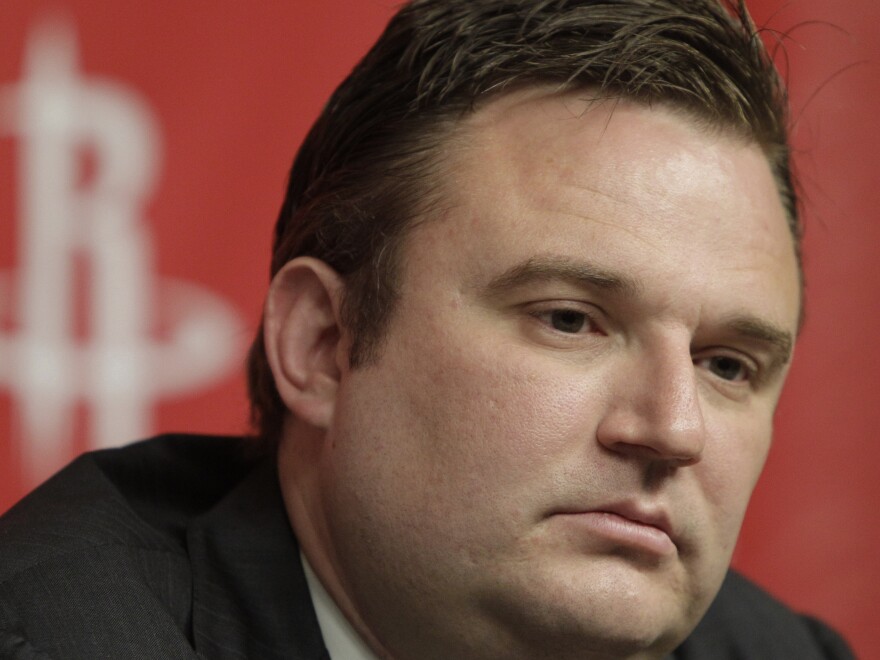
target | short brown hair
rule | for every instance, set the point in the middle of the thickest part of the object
(367, 166)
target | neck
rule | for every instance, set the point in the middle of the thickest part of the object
(302, 502)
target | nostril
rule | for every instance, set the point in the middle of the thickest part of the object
(656, 430)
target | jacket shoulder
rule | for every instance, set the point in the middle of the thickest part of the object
(744, 621)
(141, 495)
(96, 556)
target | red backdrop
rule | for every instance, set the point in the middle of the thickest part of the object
(143, 155)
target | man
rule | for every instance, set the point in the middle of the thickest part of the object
(536, 284)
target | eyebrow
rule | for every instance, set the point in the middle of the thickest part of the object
(780, 341)
(546, 269)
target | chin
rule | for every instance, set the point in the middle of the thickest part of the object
(609, 612)
(558, 634)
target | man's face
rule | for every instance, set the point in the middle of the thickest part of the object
(554, 451)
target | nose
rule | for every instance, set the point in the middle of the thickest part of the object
(654, 409)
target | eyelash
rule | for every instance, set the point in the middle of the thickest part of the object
(750, 373)
(545, 316)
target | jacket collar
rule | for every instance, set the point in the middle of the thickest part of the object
(250, 596)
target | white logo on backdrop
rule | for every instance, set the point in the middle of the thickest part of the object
(120, 367)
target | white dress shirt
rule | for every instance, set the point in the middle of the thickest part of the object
(341, 640)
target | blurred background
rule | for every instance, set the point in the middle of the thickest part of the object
(144, 150)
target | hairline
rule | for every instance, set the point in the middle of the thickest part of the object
(455, 124)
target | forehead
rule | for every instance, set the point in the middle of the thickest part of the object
(638, 188)
(542, 140)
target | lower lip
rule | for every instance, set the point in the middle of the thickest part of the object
(625, 532)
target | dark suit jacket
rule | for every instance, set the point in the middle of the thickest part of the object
(179, 547)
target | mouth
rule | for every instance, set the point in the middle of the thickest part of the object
(626, 525)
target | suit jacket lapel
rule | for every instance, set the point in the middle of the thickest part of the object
(250, 597)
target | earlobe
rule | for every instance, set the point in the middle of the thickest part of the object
(302, 335)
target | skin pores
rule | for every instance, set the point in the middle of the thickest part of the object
(553, 452)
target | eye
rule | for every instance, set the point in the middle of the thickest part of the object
(727, 368)
(565, 320)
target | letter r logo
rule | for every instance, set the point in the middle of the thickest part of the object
(85, 297)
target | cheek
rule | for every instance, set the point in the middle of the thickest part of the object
(731, 465)
(468, 430)
(501, 413)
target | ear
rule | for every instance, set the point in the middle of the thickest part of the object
(303, 337)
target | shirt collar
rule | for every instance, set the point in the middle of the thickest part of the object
(340, 638)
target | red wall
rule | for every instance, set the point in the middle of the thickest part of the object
(225, 92)
(811, 534)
